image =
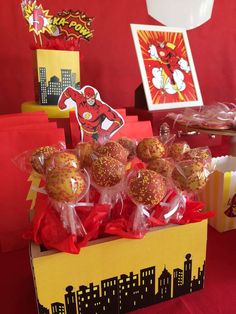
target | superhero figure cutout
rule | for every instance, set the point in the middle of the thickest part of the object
(231, 211)
(96, 119)
(169, 74)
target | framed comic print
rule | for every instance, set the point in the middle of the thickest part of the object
(167, 68)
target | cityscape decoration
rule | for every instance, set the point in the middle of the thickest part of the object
(51, 90)
(54, 71)
(128, 292)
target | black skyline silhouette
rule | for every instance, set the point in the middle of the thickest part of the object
(128, 292)
(50, 91)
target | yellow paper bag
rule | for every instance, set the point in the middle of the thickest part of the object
(219, 193)
(54, 70)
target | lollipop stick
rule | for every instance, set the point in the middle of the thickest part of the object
(138, 222)
(74, 223)
(105, 197)
(40, 40)
(80, 227)
(87, 196)
(71, 220)
(35, 39)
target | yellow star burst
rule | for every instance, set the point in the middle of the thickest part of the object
(39, 19)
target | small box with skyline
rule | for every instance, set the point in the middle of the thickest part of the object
(54, 70)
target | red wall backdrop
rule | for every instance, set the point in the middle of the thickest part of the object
(109, 61)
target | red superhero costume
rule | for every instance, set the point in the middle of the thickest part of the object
(168, 59)
(231, 211)
(96, 119)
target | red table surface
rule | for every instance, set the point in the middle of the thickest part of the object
(218, 296)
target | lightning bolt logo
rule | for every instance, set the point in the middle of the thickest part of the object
(35, 180)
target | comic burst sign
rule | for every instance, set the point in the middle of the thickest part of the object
(38, 19)
(72, 24)
(66, 25)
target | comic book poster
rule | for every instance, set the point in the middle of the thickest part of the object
(167, 69)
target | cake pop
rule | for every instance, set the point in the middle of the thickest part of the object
(130, 145)
(84, 151)
(113, 149)
(202, 153)
(190, 175)
(150, 148)
(40, 156)
(61, 160)
(107, 171)
(65, 184)
(146, 187)
(178, 150)
(164, 166)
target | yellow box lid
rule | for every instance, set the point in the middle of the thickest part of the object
(52, 111)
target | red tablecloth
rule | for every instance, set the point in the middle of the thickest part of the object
(17, 290)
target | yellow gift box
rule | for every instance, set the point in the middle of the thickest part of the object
(116, 275)
(219, 193)
(54, 70)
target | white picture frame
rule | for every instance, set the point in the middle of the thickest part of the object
(166, 65)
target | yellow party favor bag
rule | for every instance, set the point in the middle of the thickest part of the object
(219, 193)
